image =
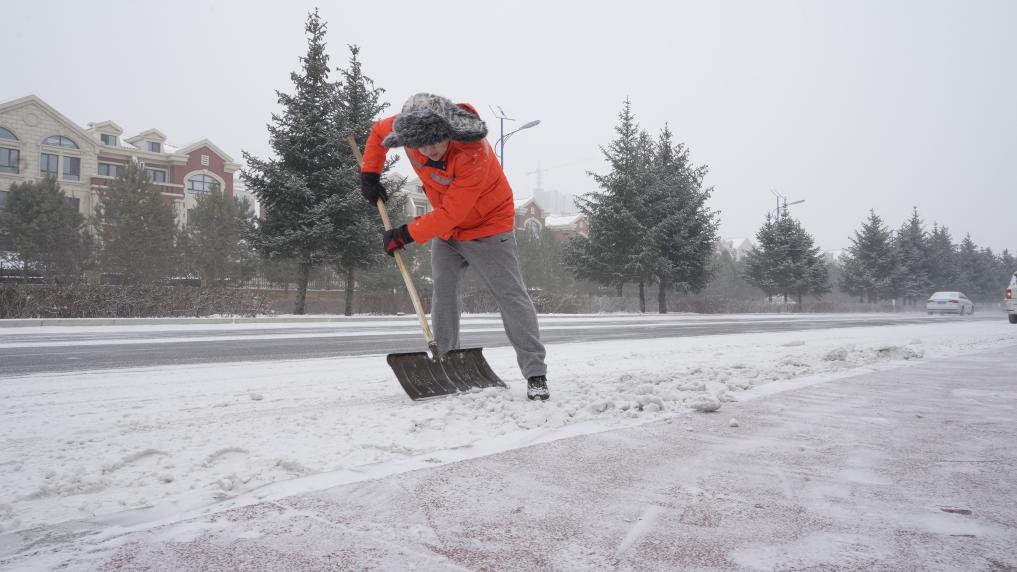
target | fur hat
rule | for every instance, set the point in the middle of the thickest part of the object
(427, 118)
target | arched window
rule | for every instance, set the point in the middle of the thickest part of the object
(6, 134)
(60, 141)
(200, 183)
(533, 227)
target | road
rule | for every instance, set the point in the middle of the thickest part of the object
(25, 351)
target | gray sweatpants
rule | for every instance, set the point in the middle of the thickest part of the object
(495, 259)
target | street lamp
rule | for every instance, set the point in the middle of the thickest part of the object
(505, 136)
(782, 203)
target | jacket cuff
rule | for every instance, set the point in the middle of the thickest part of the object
(404, 230)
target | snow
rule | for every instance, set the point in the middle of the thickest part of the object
(560, 220)
(188, 439)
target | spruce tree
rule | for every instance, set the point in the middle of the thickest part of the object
(302, 187)
(45, 230)
(986, 267)
(681, 230)
(787, 261)
(763, 262)
(869, 267)
(357, 224)
(1007, 267)
(137, 229)
(942, 259)
(610, 255)
(967, 266)
(215, 232)
(913, 282)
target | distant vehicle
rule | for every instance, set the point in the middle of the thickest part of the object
(1011, 299)
(949, 303)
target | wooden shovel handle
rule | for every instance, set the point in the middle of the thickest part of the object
(400, 262)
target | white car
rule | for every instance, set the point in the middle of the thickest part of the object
(1011, 299)
(950, 303)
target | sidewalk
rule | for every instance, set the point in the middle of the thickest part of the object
(907, 469)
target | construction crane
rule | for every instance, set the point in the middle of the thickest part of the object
(540, 170)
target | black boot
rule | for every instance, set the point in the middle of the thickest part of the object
(536, 387)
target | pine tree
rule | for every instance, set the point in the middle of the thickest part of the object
(942, 259)
(302, 187)
(728, 278)
(45, 230)
(1007, 267)
(763, 262)
(214, 233)
(786, 260)
(986, 285)
(913, 282)
(137, 229)
(869, 267)
(681, 230)
(967, 266)
(610, 255)
(357, 224)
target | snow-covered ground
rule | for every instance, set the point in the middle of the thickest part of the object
(178, 441)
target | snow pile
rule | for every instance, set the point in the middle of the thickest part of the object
(82, 445)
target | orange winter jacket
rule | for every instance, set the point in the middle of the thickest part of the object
(471, 196)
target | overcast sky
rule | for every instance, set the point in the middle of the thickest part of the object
(849, 106)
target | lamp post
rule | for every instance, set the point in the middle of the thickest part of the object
(500, 144)
(782, 203)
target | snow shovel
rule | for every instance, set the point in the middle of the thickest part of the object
(424, 375)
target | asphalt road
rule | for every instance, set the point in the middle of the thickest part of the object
(25, 351)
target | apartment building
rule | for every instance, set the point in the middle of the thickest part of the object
(38, 141)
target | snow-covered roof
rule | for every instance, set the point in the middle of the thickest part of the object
(107, 127)
(561, 220)
(186, 149)
(520, 203)
(150, 135)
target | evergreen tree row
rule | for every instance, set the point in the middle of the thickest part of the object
(133, 237)
(910, 263)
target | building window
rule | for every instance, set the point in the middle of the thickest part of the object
(420, 210)
(49, 165)
(109, 170)
(155, 147)
(200, 183)
(74, 202)
(9, 160)
(6, 134)
(60, 141)
(156, 175)
(72, 168)
(204, 160)
(108, 139)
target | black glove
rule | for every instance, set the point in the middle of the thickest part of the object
(396, 238)
(371, 188)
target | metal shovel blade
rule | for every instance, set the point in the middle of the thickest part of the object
(423, 377)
